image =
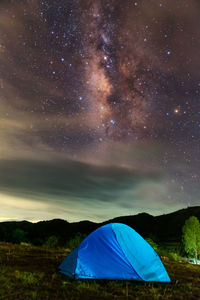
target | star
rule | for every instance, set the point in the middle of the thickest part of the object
(176, 110)
(104, 83)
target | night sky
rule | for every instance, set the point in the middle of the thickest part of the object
(99, 108)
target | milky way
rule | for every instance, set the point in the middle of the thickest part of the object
(108, 83)
(116, 92)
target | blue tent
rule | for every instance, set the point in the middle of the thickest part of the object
(114, 251)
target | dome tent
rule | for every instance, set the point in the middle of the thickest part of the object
(114, 251)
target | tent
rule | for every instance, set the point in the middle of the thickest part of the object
(114, 251)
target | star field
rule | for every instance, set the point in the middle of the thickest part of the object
(107, 83)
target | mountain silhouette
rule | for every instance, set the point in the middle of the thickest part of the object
(163, 228)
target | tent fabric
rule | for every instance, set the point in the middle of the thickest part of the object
(69, 266)
(114, 251)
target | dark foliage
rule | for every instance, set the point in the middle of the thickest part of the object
(164, 228)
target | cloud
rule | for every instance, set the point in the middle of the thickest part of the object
(67, 178)
(76, 190)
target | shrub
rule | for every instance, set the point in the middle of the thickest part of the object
(19, 235)
(174, 256)
(75, 241)
(152, 243)
(51, 242)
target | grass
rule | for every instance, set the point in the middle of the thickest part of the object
(28, 272)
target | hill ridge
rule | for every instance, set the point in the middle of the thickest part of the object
(165, 227)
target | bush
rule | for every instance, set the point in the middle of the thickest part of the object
(75, 241)
(19, 235)
(174, 256)
(152, 243)
(51, 242)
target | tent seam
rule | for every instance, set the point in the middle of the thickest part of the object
(124, 253)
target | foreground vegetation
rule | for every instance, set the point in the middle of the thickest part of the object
(29, 272)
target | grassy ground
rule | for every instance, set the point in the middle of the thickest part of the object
(28, 272)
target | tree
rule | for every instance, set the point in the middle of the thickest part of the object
(191, 236)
